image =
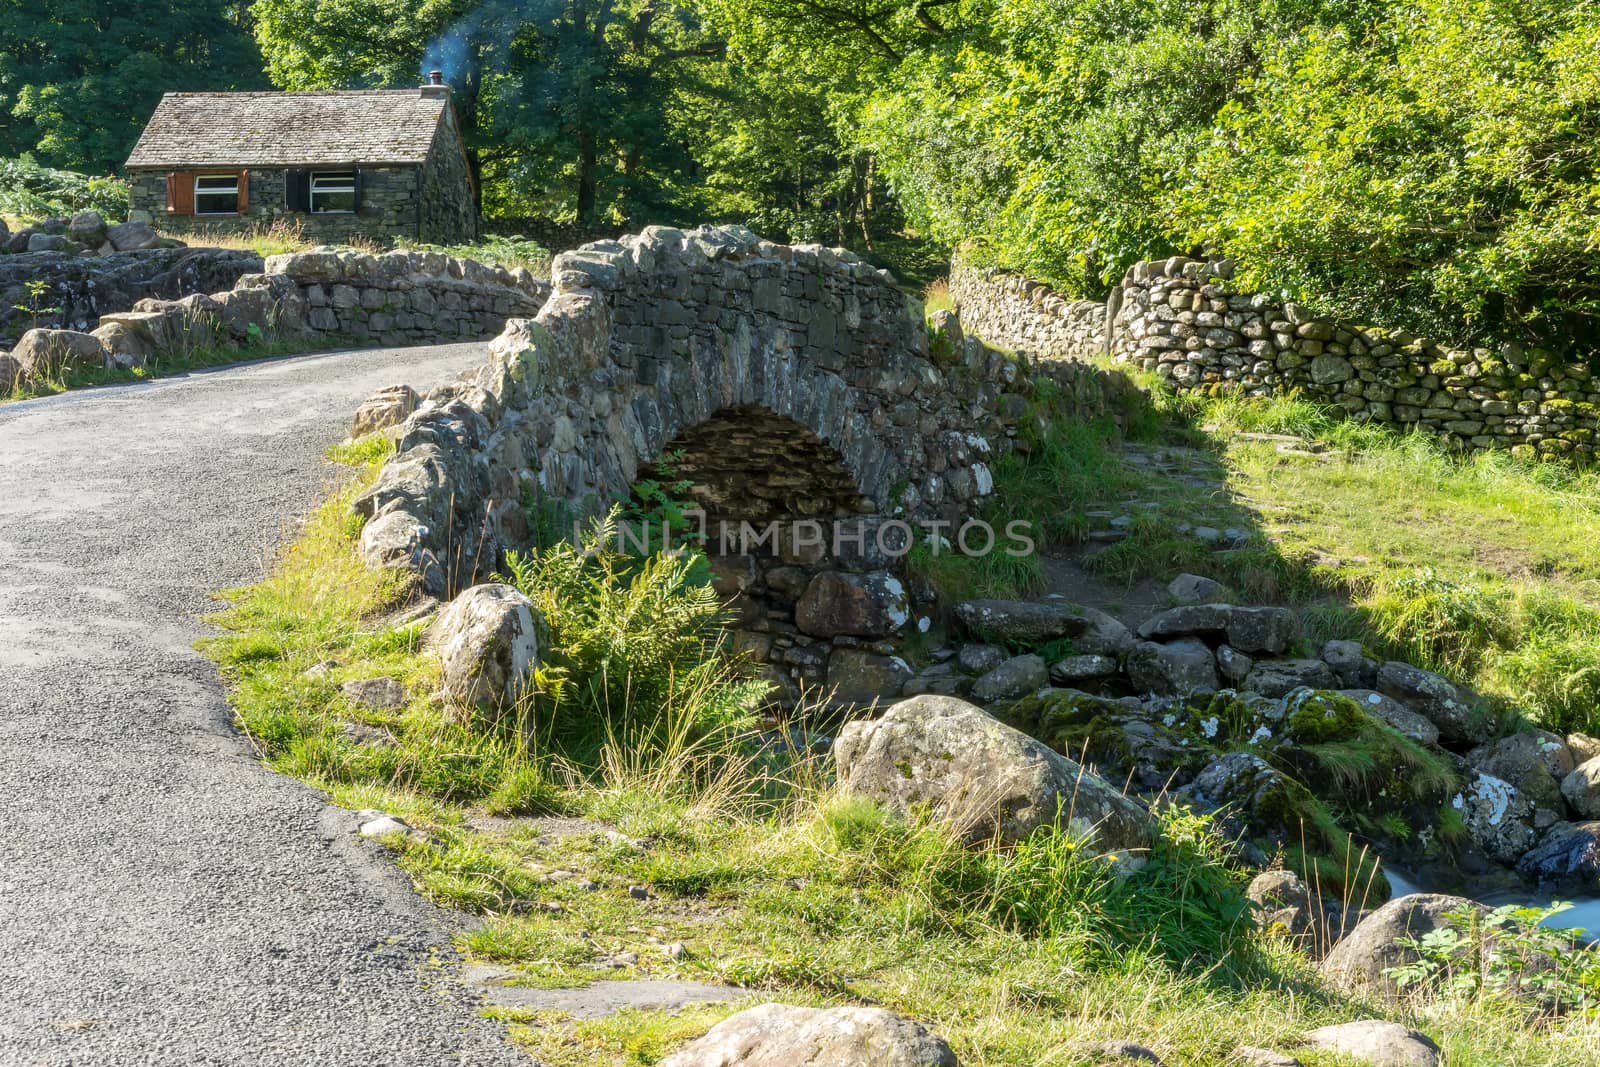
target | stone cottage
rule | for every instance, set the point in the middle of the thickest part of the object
(378, 164)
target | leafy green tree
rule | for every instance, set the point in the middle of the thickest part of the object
(79, 78)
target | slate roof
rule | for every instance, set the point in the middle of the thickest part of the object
(373, 127)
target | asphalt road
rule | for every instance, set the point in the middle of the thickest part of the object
(164, 899)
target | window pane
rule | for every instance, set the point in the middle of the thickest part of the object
(220, 183)
(322, 201)
(334, 182)
(216, 203)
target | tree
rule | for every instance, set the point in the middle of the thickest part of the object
(79, 78)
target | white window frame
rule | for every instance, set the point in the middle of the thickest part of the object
(346, 180)
(198, 178)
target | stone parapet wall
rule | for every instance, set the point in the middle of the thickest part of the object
(406, 298)
(1025, 315)
(1184, 320)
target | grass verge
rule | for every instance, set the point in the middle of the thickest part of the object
(687, 853)
(161, 366)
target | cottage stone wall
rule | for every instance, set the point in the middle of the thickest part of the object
(449, 215)
(430, 203)
(1184, 320)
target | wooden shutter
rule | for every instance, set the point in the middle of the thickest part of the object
(180, 192)
(297, 190)
(359, 175)
(244, 191)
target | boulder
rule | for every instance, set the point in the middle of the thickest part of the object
(1282, 903)
(10, 374)
(1017, 676)
(1251, 799)
(125, 347)
(984, 778)
(1375, 1042)
(1246, 629)
(87, 228)
(385, 694)
(1434, 698)
(980, 658)
(1279, 677)
(1174, 669)
(1233, 665)
(488, 643)
(48, 242)
(1582, 789)
(1566, 859)
(1396, 714)
(1104, 635)
(1358, 962)
(42, 353)
(1076, 669)
(782, 1035)
(1345, 659)
(130, 236)
(1499, 817)
(1583, 747)
(858, 677)
(1534, 761)
(1021, 622)
(18, 242)
(1194, 589)
(852, 605)
(389, 406)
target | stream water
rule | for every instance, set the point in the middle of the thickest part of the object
(1584, 913)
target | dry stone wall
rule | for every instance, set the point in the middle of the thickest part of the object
(1183, 319)
(318, 297)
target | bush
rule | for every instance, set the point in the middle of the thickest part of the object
(31, 190)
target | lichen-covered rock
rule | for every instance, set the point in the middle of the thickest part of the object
(1417, 727)
(1173, 669)
(1104, 635)
(1535, 761)
(1583, 747)
(1434, 698)
(984, 778)
(487, 640)
(836, 604)
(1279, 677)
(1021, 622)
(1075, 669)
(388, 407)
(1566, 859)
(10, 373)
(1017, 676)
(858, 677)
(1499, 817)
(1250, 798)
(47, 353)
(1195, 589)
(781, 1035)
(978, 658)
(1282, 903)
(1582, 789)
(1376, 1042)
(1246, 629)
(1346, 660)
(1361, 960)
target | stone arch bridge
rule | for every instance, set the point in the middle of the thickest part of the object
(783, 382)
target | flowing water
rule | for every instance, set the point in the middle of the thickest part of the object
(1584, 913)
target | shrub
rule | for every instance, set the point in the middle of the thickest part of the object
(630, 639)
(29, 189)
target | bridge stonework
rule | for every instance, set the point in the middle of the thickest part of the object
(780, 381)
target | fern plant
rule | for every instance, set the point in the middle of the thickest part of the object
(630, 637)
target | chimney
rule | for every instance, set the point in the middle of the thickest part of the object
(435, 77)
(436, 86)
